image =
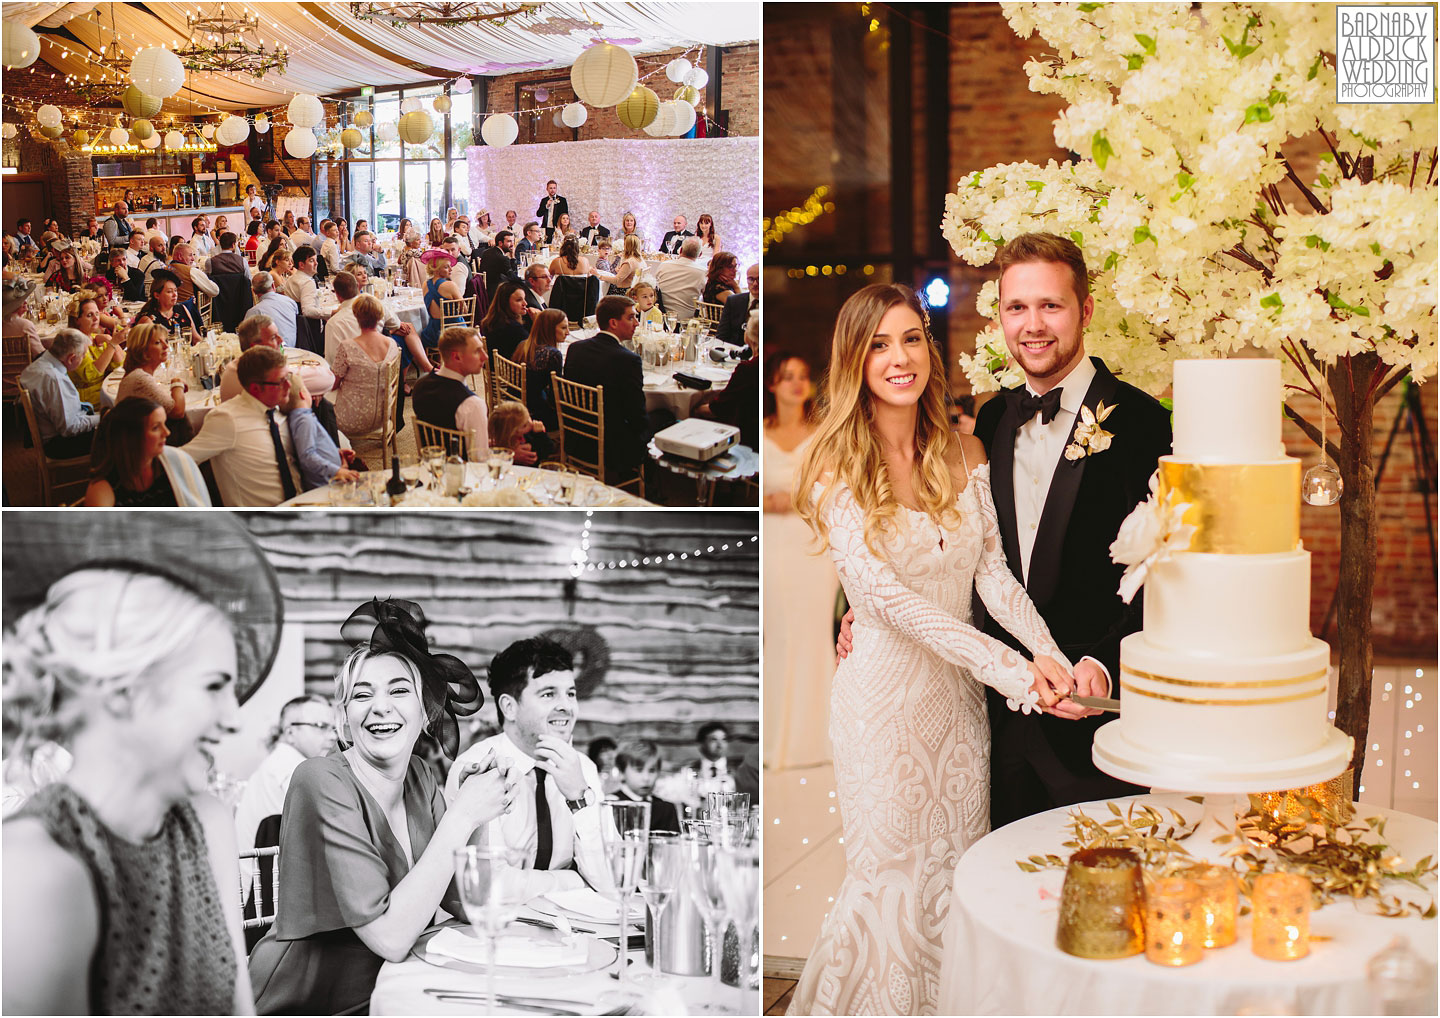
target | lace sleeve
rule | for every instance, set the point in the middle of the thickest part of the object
(875, 590)
(1004, 598)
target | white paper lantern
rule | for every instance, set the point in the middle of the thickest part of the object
(574, 114)
(410, 106)
(499, 130)
(697, 78)
(557, 121)
(387, 131)
(416, 128)
(9, 131)
(542, 95)
(237, 129)
(54, 133)
(676, 69)
(151, 142)
(305, 110)
(603, 75)
(664, 120)
(208, 131)
(21, 45)
(174, 139)
(157, 72)
(461, 86)
(119, 136)
(364, 119)
(300, 142)
(262, 123)
(48, 116)
(683, 118)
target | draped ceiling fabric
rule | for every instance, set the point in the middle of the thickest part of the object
(657, 179)
(332, 51)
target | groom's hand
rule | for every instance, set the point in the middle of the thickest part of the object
(845, 643)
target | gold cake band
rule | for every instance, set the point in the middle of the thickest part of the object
(1259, 702)
(1323, 673)
(1237, 508)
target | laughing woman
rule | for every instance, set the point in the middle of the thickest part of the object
(119, 878)
(366, 839)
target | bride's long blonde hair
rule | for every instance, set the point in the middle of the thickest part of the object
(846, 449)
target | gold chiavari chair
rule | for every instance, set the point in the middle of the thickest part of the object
(582, 416)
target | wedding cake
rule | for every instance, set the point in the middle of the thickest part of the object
(1224, 690)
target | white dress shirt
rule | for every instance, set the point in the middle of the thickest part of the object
(680, 282)
(236, 435)
(299, 238)
(202, 282)
(330, 251)
(301, 289)
(264, 796)
(342, 325)
(575, 836)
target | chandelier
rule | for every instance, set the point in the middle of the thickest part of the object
(224, 49)
(442, 14)
(111, 69)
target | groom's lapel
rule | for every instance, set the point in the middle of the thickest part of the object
(1060, 499)
(1002, 481)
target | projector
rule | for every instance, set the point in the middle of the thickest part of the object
(695, 439)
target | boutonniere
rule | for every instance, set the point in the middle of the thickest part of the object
(1089, 436)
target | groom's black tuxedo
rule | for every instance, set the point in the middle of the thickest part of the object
(1038, 761)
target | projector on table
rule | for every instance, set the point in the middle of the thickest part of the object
(695, 439)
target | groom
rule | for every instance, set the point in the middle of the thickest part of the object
(1060, 502)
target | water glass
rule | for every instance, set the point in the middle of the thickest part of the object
(486, 879)
(500, 458)
(433, 457)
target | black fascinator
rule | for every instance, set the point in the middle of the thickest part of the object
(448, 688)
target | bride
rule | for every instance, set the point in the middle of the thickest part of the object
(904, 505)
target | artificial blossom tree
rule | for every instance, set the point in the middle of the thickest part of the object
(1203, 238)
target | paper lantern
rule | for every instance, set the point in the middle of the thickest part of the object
(208, 131)
(262, 123)
(542, 95)
(639, 110)
(9, 131)
(416, 127)
(80, 138)
(142, 129)
(223, 133)
(664, 120)
(683, 118)
(364, 119)
(574, 114)
(499, 130)
(21, 45)
(441, 104)
(174, 139)
(238, 131)
(54, 133)
(300, 142)
(48, 116)
(687, 94)
(410, 106)
(387, 131)
(676, 69)
(138, 104)
(557, 121)
(604, 75)
(305, 110)
(697, 78)
(351, 138)
(461, 86)
(151, 142)
(157, 72)
(119, 136)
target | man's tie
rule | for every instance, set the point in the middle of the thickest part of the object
(1047, 406)
(714, 770)
(544, 834)
(287, 483)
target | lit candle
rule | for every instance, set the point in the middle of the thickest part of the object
(1100, 905)
(1219, 899)
(1280, 903)
(1174, 922)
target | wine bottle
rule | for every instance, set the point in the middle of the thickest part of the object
(395, 487)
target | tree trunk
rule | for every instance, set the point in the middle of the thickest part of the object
(1355, 412)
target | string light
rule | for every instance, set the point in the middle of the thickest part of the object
(579, 564)
(811, 209)
(833, 269)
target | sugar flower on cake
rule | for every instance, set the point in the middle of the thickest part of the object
(1149, 534)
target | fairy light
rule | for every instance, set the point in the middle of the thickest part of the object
(811, 209)
(579, 566)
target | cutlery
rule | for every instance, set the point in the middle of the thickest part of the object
(1098, 702)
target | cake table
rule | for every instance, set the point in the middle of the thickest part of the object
(1000, 955)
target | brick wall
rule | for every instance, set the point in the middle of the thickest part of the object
(72, 188)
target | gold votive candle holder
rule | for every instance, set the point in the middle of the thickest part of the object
(1101, 905)
(1174, 922)
(1280, 916)
(1219, 900)
(1336, 796)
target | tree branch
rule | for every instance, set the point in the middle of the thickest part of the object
(1313, 433)
(1315, 202)
(1339, 156)
(1239, 253)
(1389, 383)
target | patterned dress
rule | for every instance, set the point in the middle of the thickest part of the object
(360, 391)
(912, 744)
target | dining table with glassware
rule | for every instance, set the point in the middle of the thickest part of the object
(664, 355)
(654, 938)
(201, 366)
(405, 302)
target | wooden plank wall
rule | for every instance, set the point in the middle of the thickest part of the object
(682, 635)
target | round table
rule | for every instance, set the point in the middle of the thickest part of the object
(735, 464)
(520, 487)
(407, 305)
(199, 401)
(1000, 955)
(661, 389)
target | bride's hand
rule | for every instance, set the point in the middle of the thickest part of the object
(1049, 680)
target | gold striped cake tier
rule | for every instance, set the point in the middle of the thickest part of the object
(1237, 508)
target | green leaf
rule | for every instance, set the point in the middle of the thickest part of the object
(1090, 8)
(1146, 43)
(1100, 150)
(1363, 312)
(1272, 301)
(1314, 240)
(1077, 237)
(1134, 61)
(1142, 234)
(1169, 404)
(1315, 67)
(1324, 181)
(1035, 185)
(1184, 180)
(984, 236)
(1239, 50)
(1375, 247)
(1259, 113)
(1276, 96)
(1111, 261)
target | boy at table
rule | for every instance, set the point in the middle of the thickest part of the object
(639, 764)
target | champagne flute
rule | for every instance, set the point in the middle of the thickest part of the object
(703, 886)
(484, 876)
(500, 458)
(662, 877)
(625, 833)
(737, 869)
(434, 457)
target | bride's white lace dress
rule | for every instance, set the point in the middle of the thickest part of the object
(912, 744)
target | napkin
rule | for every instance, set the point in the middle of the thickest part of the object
(586, 903)
(511, 952)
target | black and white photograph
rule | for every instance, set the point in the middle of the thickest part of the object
(403, 763)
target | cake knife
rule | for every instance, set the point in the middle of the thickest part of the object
(1097, 702)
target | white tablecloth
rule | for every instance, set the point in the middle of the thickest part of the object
(199, 401)
(1000, 955)
(543, 489)
(406, 305)
(661, 389)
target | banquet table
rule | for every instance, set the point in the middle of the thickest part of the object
(661, 389)
(1000, 955)
(199, 401)
(404, 303)
(519, 486)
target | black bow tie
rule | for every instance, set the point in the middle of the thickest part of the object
(1047, 406)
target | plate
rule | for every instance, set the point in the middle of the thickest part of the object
(600, 955)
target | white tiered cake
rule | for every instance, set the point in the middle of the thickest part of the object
(1224, 690)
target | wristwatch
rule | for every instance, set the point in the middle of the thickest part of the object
(576, 805)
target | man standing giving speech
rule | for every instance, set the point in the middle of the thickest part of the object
(552, 207)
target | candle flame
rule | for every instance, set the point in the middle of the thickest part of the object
(1177, 938)
(1292, 933)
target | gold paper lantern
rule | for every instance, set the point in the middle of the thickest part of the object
(81, 138)
(416, 128)
(638, 111)
(351, 138)
(688, 94)
(52, 132)
(364, 119)
(138, 104)
(441, 104)
(142, 129)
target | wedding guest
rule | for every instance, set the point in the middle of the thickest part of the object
(253, 203)
(460, 271)
(646, 299)
(262, 330)
(135, 248)
(152, 230)
(362, 397)
(412, 262)
(435, 236)
(127, 282)
(227, 260)
(277, 307)
(531, 243)
(628, 271)
(675, 239)
(282, 267)
(274, 243)
(342, 229)
(592, 232)
(629, 229)
(252, 235)
(287, 222)
(67, 425)
(117, 228)
(200, 238)
(342, 324)
(353, 894)
(552, 207)
(300, 285)
(192, 278)
(497, 262)
(484, 230)
(562, 227)
(720, 283)
(301, 235)
(738, 404)
(680, 280)
(438, 287)
(511, 218)
(365, 249)
(101, 356)
(739, 308)
(638, 762)
(512, 428)
(538, 284)
(444, 398)
(154, 257)
(554, 822)
(68, 274)
(132, 465)
(601, 360)
(603, 256)
(330, 249)
(705, 230)
(17, 321)
(540, 353)
(164, 307)
(570, 262)
(601, 751)
(146, 351)
(504, 325)
(117, 879)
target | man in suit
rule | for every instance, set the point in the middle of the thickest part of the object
(601, 360)
(592, 233)
(498, 263)
(739, 308)
(1057, 518)
(538, 285)
(552, 207)
(639, 764)
(530, 241)
(676, 237)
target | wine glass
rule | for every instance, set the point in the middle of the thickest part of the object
(569, 481)
(500, 458)
(737, 868)
(434, 458)
(484, 879)
(702, 883)
(625, 834)
(664, 872)
(410, 469)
